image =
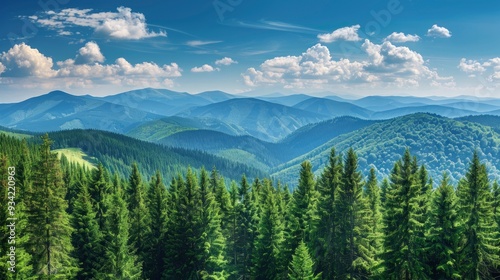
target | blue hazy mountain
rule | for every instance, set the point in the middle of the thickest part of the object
(158, 101)
(215, 96)
(58, 110)
(262, 119)
(287, 100)
(431, 109)
(332, 108)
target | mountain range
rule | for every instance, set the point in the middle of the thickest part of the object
(269, 135)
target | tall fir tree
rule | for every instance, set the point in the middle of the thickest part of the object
(354, 255)
(326, 233)
(403, 223)
(86, 238)
(213, 243)
(372, 193)
(49, 226)
(443, 236)
(139, 215)
(155, 241)
(303, 210)
(301, 266)
(99, 190)
(119, 259)
(480, 251)
(268, 262)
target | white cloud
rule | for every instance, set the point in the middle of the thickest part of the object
(32, 69)
(123, 24)
(385, 65)
(400, 37)
(197, 43)
(88, 54)
(204, 68)
(349, 33)
(470, 66)
(438, 31)
(225, 61)
(23, 61)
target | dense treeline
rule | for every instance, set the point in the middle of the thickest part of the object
(74, 223)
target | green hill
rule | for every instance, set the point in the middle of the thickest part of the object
(117, 153)
(442, 144)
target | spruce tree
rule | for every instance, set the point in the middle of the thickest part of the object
(155, 242)
(354, 255)
(139, 215)
(268, 258)
(326, 233)
(212, 241)
(403, 222)
(4, 203)
(372, 193)
(99, 190)
(301, 266)
(119, 261)
(49, 226)
(443, 236)
(303, 210)
(480, 251)
(86, 238)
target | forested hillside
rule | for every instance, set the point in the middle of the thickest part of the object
(75, 223)
(443, 144)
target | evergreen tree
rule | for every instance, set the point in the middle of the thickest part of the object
(355, 257)
(480, 251)
(213, 243)
(301, 266)
(403, 222)
(139, 215)
(232, 229)
(49, 226)
(372, 193)
(268, 258)
(87, 238)
(120, 261)
(4, 203)
(443, 236)
(158, 211)
(326, 233)
(99, 190)
(303, 210)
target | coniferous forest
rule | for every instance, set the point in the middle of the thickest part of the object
(75, 223)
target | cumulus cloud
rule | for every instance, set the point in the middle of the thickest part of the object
(349, 33)
(225, 61)
(203, 68)
(88, 54)
(438, 31)
(123, 24)
(400, 37)
(490, 69)
(23, 61)
(385, 65)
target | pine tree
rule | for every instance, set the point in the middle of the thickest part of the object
(119, 261)
(87, 238)
(99, 190)
(326, 233)
(301, 266)
(443, 236)
(4, 203)
(232, 229)
(355, 256)
(213, 243)
(403, 223)
(480, 251)
(49, 226)
(139, 215)
(268, 258)
(158, 211)
(372, 193)
(303, 210)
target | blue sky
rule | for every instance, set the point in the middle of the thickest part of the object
(352, 48)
